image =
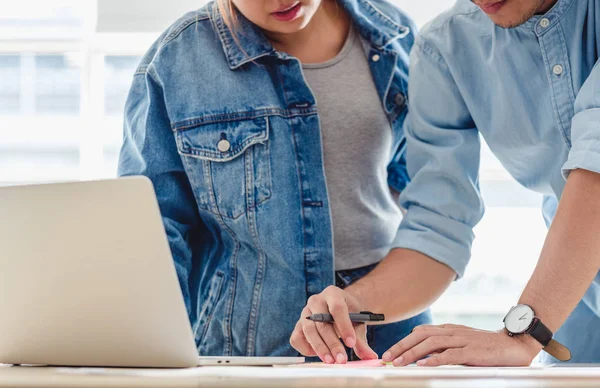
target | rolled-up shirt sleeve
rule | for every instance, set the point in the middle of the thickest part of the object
(443, 200)
(585, 127)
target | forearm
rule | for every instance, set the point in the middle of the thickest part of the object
(570, 258)
(405, 284)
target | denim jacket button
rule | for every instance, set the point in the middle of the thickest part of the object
(400, 100)
(224, 146)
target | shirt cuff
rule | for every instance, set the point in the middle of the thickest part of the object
(443, 239)
(585, 136)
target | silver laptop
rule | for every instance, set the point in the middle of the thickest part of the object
(87, 279)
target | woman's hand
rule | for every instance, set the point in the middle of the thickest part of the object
(323, 339)
(462, 345)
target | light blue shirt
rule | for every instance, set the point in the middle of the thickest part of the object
(532, 92)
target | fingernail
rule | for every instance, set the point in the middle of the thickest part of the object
(329, 359)
(341, 358)
(422, 362)
(387, 356)
(350, 342)
(398, 361)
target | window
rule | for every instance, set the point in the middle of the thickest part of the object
(62, 92)
(40, 90)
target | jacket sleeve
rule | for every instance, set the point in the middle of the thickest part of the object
(149, 149)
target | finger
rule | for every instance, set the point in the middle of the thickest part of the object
(453, 326)
(316, 303)
(331, 339)
(362, 348)
(448, 357)
(427, 347)
(411, 340)
(444, 326)
(338, 308)
(316, 342)
(337, 332)
(299, 342)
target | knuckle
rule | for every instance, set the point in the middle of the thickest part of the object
(295, 338)
(450, 356)
(321, 327)
(431, 342)
(411, 354)
(398, 348)
(336, 307)
(322, 349)
(309, 330)
(335, 345)
(436, 359)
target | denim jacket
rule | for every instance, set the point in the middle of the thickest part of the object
(228, 131)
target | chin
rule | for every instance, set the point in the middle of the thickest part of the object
(287, 27)
(506, 22)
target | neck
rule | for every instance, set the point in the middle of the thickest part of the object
(546, 6)
(321, 39)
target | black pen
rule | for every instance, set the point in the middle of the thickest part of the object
(362, 317)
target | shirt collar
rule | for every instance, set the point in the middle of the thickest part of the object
(249, 43)
(553, 16)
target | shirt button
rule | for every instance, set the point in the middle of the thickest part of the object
(224, 146)
(376, 58)
(558, 69)
(544, 23)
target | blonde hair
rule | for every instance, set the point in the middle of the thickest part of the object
(227, 10)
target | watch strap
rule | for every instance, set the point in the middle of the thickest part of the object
(540, 332)
(558, 350)
(543, 335)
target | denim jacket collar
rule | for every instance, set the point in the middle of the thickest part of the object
(251, 44)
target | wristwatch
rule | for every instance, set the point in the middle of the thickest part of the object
(521, 319)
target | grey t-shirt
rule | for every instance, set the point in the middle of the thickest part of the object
(357, 147)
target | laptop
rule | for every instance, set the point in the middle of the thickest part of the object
(87, 279)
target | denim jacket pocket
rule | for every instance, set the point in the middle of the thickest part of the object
(206, 307)
(228, 164)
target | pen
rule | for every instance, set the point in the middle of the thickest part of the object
(362, 317)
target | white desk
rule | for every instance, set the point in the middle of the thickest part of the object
(14, 377)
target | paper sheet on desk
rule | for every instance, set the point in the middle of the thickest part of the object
(348, 365)
(354, 372)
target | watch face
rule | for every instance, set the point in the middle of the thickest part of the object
(518, 319)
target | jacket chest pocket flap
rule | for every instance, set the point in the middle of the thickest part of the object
(228, 164)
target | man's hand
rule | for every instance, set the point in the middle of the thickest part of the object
(461, 345)
(323, 339)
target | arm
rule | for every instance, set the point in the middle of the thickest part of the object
(570, 258)
(569, 261)
(149, 149)
(442, 201)
(391, 288)
(435, 237)
(443, 204)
